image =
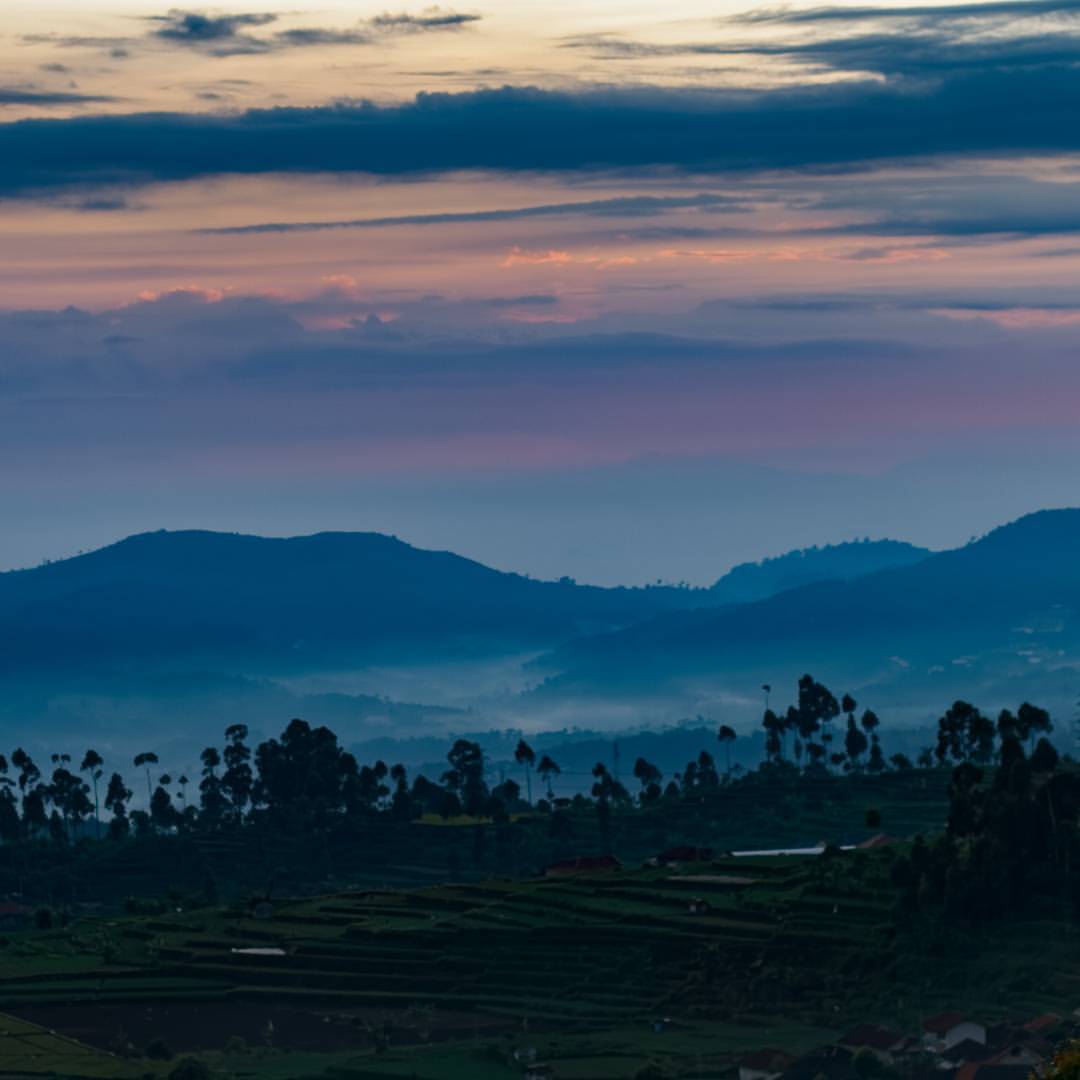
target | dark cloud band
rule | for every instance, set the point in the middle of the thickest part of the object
(523, 129)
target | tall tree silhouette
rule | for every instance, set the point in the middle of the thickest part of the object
(144, 761)
(726, 736)
(93, 763)
(547, 769)
(526, 756)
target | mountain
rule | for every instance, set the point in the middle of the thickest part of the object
(991, 611)
(835, 562)
(308, 600)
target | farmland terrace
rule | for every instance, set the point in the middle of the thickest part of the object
(687, 965)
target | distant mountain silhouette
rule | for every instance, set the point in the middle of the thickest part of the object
(1004, 604)
(836, 562)
(314, 599)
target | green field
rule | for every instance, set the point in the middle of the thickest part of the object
(450, 980)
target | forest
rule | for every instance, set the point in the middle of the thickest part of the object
(988, 807)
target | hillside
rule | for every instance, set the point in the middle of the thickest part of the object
(835, 562)
(1002, 605)
(311, 599)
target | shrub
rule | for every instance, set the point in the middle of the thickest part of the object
(190, 1069)
(158, 1051)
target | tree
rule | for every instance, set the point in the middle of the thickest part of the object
(9, 814)
(162, 812)
(211, 798)
(649, 776)
(237, 780)
(1044, 758)
(190, 1068)
(774, 729)
(1032, 721)
(304, 776)
(817, 708)
(525, 755)
(465, 777)
(69, 795)
(546, 770)
(1066, 1063)
(876, 761)
(606, 788)
(401, 804)
(117, 795)
(145, 760)
(965, 734)
(855, 742)
(93, 763)
(726, 736)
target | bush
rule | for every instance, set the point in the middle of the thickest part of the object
(190, 1069)
(158, 1051)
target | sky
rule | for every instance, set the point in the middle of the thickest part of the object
(610, 290)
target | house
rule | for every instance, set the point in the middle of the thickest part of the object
(878, 840)
(1042, 1023)
(12, 914)
(764, 1065)
(1027, 1056)
(684, 853)
(583, 864)
(989, 1071)
(881, 1041)
(828, 1062)
(967, 1052)
(947, 1029)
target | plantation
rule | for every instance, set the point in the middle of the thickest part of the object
(428, 982)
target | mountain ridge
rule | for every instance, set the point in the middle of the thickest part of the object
(1013, 593)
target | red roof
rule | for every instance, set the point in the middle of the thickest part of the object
(943, 1022)
(584, 864)
(7, 910)
(1042, 1023)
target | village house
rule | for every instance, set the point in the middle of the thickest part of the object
(682, 854)
(882, 1042)
(764, 1065)
(947, 1029)
(827, 1062)
(583, 864)
(12, 914)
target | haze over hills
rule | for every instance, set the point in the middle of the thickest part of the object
(320, 597)
(993, 613)
(834, 562)
(188, 630)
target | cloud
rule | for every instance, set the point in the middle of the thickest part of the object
(906, 42)
(188, 27)
(525, 129)
(10, 95)
(930, 15)
(433, 18)
(630, 206)
(229, 34)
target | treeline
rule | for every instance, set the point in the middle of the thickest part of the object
(305, 779)
(1012, 839)
(963, 734)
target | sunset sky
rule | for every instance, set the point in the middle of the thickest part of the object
(625, 291)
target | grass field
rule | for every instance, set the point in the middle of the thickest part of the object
(450, 980)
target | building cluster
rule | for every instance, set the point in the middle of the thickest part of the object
(950, 1046)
